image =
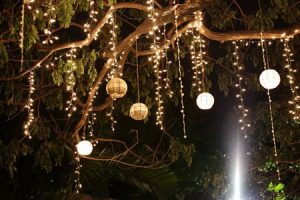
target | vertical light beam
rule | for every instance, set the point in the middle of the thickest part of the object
(237, 177)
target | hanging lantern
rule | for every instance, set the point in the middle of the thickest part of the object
(269, 79)
(84, 148)
(205, 101)
(138, 111)
(116, 88)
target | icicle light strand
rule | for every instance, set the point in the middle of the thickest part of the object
(156, 61)
(295, 99)
(180, 71)
(77, 183)
(241, 90)
(29, 105)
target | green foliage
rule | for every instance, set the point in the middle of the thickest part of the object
(96, 177)
(65, 12)
(185, 150)
(277, 190)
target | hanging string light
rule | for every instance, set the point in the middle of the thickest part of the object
(180, 71)
(197, 51)
(156, 64)
(240, 92)
(29, 105)
(70, 81)
(92, 17)
(266, 67)
(295, 99)
(21, 45)
(50, 15)
(77, 183)
(165, 74)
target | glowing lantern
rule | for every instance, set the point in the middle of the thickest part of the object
(269, 79)
(138, 111)
(84, 147)
(205, 101)
(116, 88)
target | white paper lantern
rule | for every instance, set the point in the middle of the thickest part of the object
(138, 111)
(205, 101)
(84, 148)
(269, 79)
(116, 88)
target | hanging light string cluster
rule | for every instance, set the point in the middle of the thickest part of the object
(291, 71)
(165, 71)
(266, 67)
(77, 183)
(29, 105)
(92, 17)
(156, 58)
(240, 91)
(180, 70)
(50, 16)
(115, 67)
(197, 51)
(70, 81)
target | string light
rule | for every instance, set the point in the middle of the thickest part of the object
(29, 105)
(266, 66)
(156, 63)
(77, 183)
(165, 74)
(295, 99)
(111, 117)
(71, 81)
(197, 52)
(240, 92)
(50, 16)
(22, 23)
(92, 17)
(180, 71)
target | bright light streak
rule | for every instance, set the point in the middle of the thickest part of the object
(237, 178)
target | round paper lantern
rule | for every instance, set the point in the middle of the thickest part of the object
(84, 148)
(269, 79)
(205, 101)
(116, 88)
(138, 111)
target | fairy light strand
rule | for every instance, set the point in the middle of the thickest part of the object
(71, 81)
(156, 63)
(266, 66)
(22, 34)
(197, 52)
(240, 92)
(180, 71)
(29, 105)
(50, 16)
(295, 98)
(77, 183)
(165, 74)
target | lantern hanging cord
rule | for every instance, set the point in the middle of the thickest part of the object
(137, 71)
(180, 71)
(266, 66)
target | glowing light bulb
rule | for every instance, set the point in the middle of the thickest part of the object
(84, 148)
(269, 79)
(205, 101)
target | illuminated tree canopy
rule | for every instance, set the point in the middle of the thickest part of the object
(57, 58)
